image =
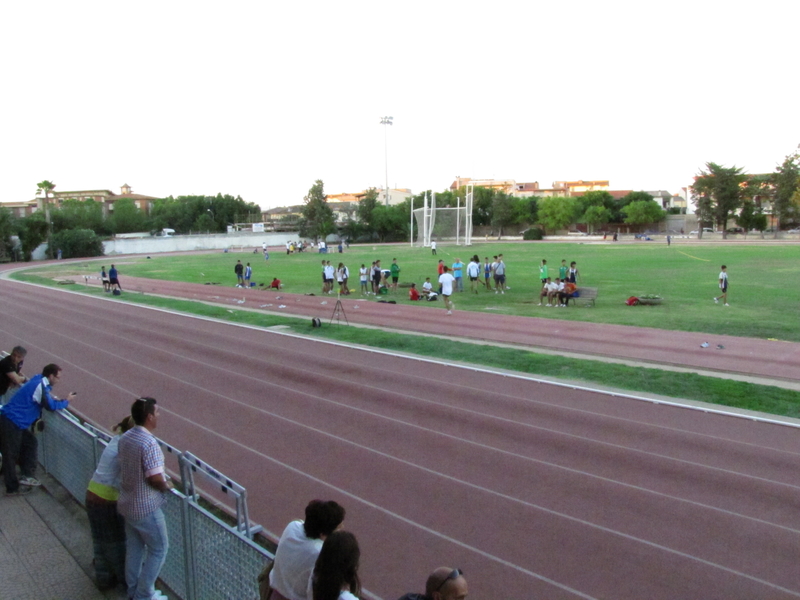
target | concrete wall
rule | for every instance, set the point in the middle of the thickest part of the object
(182, 243)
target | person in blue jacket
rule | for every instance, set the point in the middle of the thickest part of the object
(18, 444)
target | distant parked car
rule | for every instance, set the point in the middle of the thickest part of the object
(735, 230)
(705, 230)
(793, 231)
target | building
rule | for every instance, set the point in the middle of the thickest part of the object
(526, 190)
(106, 198)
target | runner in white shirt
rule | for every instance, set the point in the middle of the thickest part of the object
(446, 280)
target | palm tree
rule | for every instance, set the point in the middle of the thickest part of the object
(46, 187)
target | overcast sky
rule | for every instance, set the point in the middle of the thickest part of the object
(259, 99)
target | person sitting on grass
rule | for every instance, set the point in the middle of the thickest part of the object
(427, 287)
(276, 284)
(413, 294)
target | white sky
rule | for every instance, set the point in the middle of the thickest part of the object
(261, 98)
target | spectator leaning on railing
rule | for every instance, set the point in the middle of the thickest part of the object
(107, 525)
(11, 377)
(18, 443)
(142, 496)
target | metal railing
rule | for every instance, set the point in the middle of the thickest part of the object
(208, 559)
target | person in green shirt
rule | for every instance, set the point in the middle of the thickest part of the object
(543, 272)
(562, 270)
(395, 269)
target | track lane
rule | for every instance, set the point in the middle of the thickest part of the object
(239, 424)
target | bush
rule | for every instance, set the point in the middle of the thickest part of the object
(534, 233)
(76, 243)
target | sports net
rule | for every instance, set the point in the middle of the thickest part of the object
(443, 224)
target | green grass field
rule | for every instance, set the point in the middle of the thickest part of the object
(764, 292)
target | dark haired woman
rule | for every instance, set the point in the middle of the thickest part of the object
(335, 575)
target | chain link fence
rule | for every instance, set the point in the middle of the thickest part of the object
(208, 558)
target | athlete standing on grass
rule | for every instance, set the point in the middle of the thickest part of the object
(723, 286)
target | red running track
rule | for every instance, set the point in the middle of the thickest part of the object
(751, 356)
(536, 491)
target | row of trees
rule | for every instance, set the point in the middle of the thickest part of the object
(77, 226)
(722, 193)
(493, 208)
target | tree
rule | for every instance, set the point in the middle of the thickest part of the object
(558, 212)
(785, 181)
(482, 202)
(32, 231)
(596, 215)
(76, 243)
(6, 231)
(528, 210)
(46, 187)
(642, 212)
(366, 208)
(79, 214)
(717, 193)
(317, 220)
(504, 211)
(127, 217)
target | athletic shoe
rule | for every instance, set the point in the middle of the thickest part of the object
(716, 301)
(726, 304)
(159, 595)
(503, 292)
(30, 481)
(495, 291)
(539, 304)
(449, 312)
(20, 491)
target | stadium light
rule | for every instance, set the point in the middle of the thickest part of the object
(386, 121)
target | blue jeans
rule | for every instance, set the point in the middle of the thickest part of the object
(147, 546)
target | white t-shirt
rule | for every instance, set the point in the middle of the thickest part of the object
(343, 595)
(723, 279)
(473, 269)
(294, 562)
(433, 245)
(446, 281)
(427, 286)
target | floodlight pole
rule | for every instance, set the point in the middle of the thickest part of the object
(386, 121)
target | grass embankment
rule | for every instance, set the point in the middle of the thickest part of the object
(714, 390)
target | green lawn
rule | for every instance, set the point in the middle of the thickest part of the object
(764, 292)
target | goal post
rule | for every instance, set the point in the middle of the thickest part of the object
(433, 223)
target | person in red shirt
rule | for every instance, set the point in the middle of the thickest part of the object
(276, 284)
(413, 294)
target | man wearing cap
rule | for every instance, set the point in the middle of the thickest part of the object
(443, 584)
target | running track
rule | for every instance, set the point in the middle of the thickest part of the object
(535, 491)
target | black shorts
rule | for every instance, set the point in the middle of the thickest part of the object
(395, 279)
(471, 278)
